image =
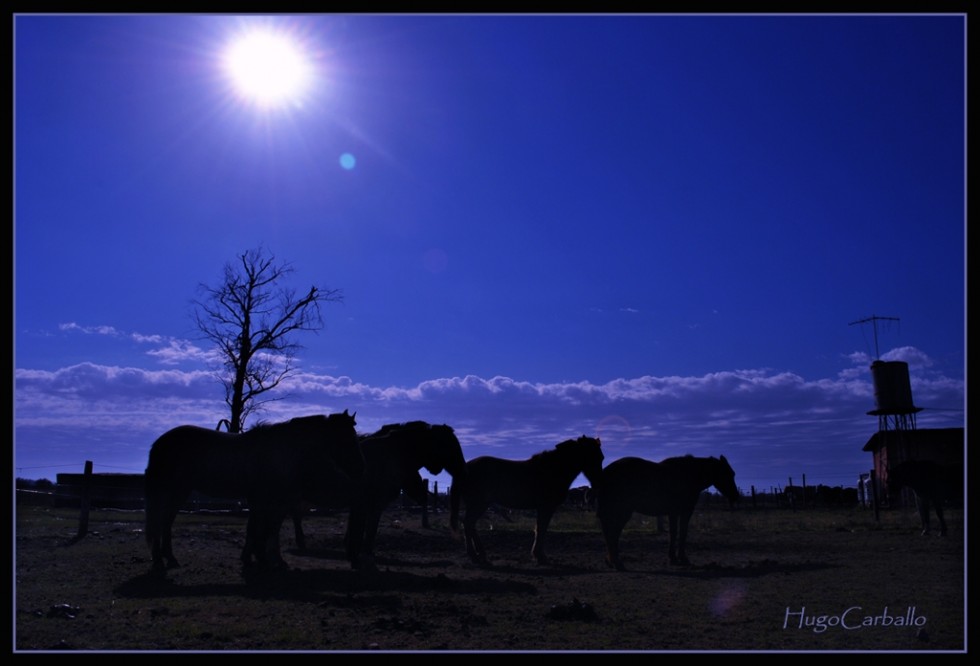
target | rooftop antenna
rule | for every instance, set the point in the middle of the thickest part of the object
(874, 323)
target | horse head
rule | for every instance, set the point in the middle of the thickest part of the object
(590, 457)
(448, 452)
(427, 443)
(343, 443)
(724, 480)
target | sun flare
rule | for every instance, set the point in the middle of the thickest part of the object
(268, 69)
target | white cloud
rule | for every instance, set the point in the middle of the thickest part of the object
(90, 330)
(181, 351)
(910, 355)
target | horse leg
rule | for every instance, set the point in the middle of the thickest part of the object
(297, 515)
(540, 527)
(474, 547)
(252, 541)
(156, 555)
(354, 537)
(939, 515)
(681, 552)
(151, 530)
(273, 549)
(672, 547)
(923, 506)
(154, 535)
(166, 538)
(156, 548)
(370, 534)
(612, 527)
(262, 539)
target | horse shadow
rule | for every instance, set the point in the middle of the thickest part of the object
(327, 554)
(758, 569)
(553, 568)
(310, 585)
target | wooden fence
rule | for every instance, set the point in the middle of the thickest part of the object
(125, 491)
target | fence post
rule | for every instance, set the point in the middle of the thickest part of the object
(86, 493)
(804, 491)
(425, 505)
(874, 494)
(753, 497)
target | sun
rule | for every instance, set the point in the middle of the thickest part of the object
(268, 69)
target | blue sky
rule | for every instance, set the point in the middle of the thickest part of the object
(655, 229)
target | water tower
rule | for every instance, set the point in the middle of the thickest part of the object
(895, 439)
(893, 396)
(893, 392)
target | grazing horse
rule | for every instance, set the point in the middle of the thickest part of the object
(265, 465)
(540, 483)
(933, 483)
(670, 487)
(393, 457)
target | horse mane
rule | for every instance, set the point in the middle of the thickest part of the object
(548, 453)
(559, 448)
(689, 458)
(543, 455)
(414, 425)
(265, 426)
(690, 461)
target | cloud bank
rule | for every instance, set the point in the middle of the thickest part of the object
(771, 425)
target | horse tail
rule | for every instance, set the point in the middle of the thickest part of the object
(151, 505)
(155, 494)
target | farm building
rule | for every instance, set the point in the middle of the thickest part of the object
(122, 491)
(890, 447)
(898, 439)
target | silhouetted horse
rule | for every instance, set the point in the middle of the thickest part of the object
(393, 457)
(540, 483)
(265, 465)
(933, 483)
(670, 487)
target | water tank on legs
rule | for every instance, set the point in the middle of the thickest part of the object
(893, 392)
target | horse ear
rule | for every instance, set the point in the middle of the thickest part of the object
(724, 460)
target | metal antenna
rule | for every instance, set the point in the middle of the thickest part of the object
(874, 323)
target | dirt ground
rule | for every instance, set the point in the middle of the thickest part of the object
(769, 580)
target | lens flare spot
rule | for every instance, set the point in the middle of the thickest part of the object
(613, 430)
(727, 600)
(347, 161)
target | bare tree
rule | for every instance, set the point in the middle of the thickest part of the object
(251, 317)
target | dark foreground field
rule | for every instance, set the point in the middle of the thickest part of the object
(760, 580)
